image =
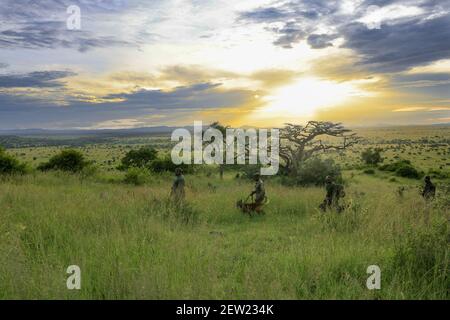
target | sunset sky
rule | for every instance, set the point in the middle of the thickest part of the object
(169, 62)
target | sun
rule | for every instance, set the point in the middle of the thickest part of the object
(306, 96)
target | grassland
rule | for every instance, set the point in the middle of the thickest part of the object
(131, 243)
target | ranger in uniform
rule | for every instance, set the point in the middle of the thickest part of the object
(178, 193)
(429, 190)
(259, 192)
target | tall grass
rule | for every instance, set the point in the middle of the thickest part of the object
(131, 243)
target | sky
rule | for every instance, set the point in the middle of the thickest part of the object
(257, 63)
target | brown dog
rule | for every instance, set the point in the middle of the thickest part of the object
(249, 208)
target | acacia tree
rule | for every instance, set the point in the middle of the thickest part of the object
(299, 143)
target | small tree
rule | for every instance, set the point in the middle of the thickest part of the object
(139, 158)
(9, 164)
(372, 156)
(67, 160)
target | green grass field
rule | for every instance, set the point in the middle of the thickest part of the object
(131, 244)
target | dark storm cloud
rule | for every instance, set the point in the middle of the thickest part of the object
(31, 112)
(38, 79)
(396, 45)
(401, 46)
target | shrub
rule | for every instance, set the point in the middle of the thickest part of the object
(10, 165)
(67, 160)
(136, 176)
(166, 164)
(392, 167)
(408, 172)
(314, 171)
(138, 158)
(372, 156)
(402, 168)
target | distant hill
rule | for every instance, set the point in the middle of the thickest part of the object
(90, 132)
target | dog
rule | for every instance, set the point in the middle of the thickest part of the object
(249, 208)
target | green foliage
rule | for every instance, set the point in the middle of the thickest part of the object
(439, 174)
(10, 165)
(138, 158)
(69, 160)
(372, 156)
(165, 164)
(369, 171)
(136, 176)
(402, 168)
(408, 172)
(314, 171)
(392, 167)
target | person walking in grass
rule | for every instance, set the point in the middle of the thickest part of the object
(259, 192)
(429, 190)
(178, 193)
(334, 192)
(428, 193)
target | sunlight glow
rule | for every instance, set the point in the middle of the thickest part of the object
(307, 95)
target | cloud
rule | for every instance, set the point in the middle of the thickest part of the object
(197, 96)
(31, 112)
(52, 35)
(31, 24)
(320, 41)
(38, 79)
(401, 46)
(270, 14)
(3, 65)
(421, 79)
(289, 34)
(272, 78)
(294, 20)
(387, 35)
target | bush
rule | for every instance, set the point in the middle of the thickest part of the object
(165, 164)
(314, 171)
(136, 176)
(392, 167)
(402, 168)
(372, 156)
(138, 158)
(67, 160)
(10, 165)
(408, 172)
